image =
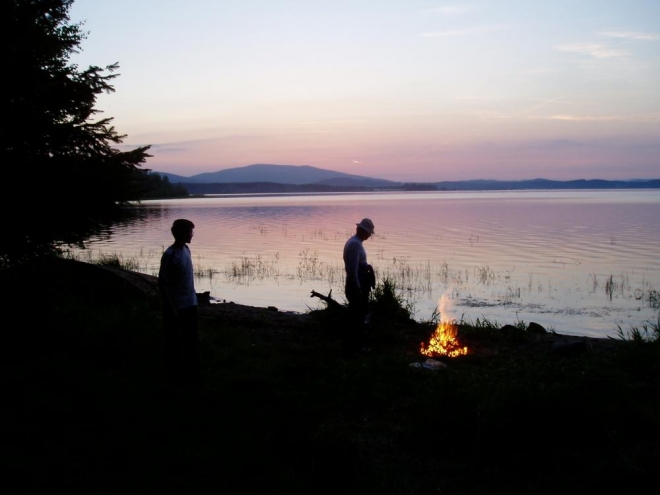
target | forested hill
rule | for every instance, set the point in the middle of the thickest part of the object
(266, 178)
(487, 185)
(357, 186)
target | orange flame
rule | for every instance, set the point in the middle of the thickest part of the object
(444, 342)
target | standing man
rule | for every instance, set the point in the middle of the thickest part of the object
(177, 290)
(358, 285)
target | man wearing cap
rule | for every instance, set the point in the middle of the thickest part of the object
(357, 287)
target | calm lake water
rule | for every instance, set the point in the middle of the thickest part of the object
(577, 262)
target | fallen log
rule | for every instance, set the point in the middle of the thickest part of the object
(328, 299)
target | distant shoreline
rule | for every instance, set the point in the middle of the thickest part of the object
(269, 178)
(466, 186)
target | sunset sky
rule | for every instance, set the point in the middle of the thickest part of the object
(405, 90)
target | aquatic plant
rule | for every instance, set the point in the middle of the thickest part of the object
(415, 282)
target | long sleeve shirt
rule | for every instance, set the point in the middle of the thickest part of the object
(176, 278)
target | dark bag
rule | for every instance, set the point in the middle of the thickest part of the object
(367, 277)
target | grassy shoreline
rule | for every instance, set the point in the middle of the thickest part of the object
(281, 411)
(474, 292)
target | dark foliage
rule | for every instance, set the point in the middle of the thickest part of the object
(158, 187)
(470, 185)
(265, 187)
(53, 148)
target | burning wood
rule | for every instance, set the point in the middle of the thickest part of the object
(444, 342)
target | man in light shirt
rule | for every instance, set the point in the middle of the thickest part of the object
(359, 282)
(177, 290)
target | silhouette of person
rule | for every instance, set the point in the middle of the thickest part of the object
(179, 299)
(359, 282)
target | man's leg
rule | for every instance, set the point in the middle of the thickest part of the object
(190, 345)
(172, 352)
(354, 331)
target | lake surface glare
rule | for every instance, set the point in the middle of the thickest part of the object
(576, 262)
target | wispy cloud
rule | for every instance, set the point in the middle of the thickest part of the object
(169, 148)
(631, 35)
(585, 118)
(474, 97)
(465, 31)
(593, 49)
(331, 122)
(651, 117)
(553, 144)
(450, 9)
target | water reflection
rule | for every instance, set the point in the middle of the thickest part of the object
(573, 261)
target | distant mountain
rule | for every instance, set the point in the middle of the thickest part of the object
(263, 178)
(279, 174)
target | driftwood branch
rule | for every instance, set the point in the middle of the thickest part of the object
(328, 299)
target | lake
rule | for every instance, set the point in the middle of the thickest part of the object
(577, 262)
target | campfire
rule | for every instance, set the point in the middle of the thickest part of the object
(444, 341)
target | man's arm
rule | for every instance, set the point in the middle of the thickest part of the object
(163, 275)
(352, 260)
